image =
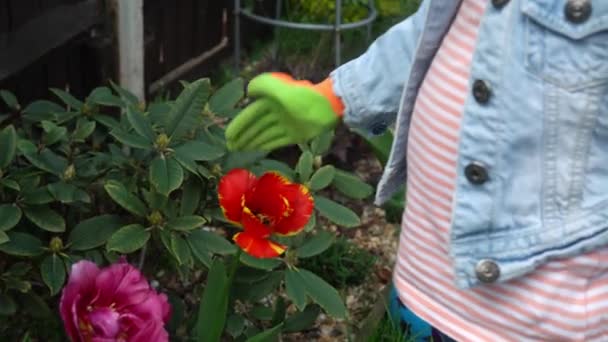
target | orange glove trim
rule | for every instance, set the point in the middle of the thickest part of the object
(324, 88)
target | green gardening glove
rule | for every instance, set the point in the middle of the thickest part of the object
(285, 112)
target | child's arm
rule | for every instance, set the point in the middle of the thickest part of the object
(365, 91)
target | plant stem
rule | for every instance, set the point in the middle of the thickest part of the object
(233, 267)
(142, 256)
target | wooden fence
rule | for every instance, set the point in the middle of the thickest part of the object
(71, 44)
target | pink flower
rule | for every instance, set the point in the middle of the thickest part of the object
(113, 304)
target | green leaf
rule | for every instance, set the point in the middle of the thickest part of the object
(351, 186)
(35, 306)
(125, 95)
(186, 223)
(140, 124)
(312, 223)
(227, 97)
(187, 108)
(53, 133)
(256, 291)
(336, 213)
(52, 270)
(37, 196)
(181, 250)
(10, 215)
(93, 232)
(131, 140)
(125, 199)
(103, 96)
(323, 294)
(266, 165)
(11, 184)
(242, 159)
(47, 161)
(107, 121)
(8, 146)
(261, 312)
(22, 244)
(214, 305)
(10, 99)
(42, 110)
(262, 264)
(200, 151)
(304, 166)
(68, 99)
(128, 239)
(316, 245)
(191, 197)
(322, 178)
(267, 335)
(294, 288)
(8, 307)
(235, 325)
(84, 128)
(188, 164)
(321, 144)
(203, 240)
(45, 218)
(4, 237)
(302, 320)
(67, 193)
(166, 174)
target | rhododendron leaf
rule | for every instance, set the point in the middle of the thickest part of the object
(181, 250)
(200, 151)
(336, 213)
(166, 174)
(214, 305)
(22, 244)
(322, 177)
(351, 186)
(93, 232)
(131, 140)
(210, 242)
(316, 245)
(52, 270)
(266, 165)
(140, 124)
(322, 143)
(235, 325)
(225, 99)
(124, 198)
(267, 335)
(68, 98)
(187, 108)
(304, 166)
(191, 196)
(8, 146)
(8, 306)
(10, 215)
(186, 223)
(45, 218)
(4, 237)
(128, 239)
(294, 288)
(323, 294)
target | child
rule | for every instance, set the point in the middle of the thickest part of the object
(502, 116)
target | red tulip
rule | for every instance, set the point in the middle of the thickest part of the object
(263, 207)
(113, 304)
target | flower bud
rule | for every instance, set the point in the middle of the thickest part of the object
(155, 218)
(56, 245)
(162, 141)
(216, 170)
(69, 173)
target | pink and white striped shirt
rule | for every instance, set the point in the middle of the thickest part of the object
(563, 300)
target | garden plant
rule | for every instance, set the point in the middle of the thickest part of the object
(119, 199)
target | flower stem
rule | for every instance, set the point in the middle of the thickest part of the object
(233, 266)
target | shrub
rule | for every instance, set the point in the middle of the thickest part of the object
(108, 176)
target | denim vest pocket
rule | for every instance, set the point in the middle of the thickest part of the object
(569, 55)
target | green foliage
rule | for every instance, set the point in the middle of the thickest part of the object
(343, 264)
(107, 176)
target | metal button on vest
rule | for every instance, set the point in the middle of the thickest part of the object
(578, 11)
(487, 271)
(481, 91)
(499, 3)
(476, 173)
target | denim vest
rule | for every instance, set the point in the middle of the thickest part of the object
(538, 142)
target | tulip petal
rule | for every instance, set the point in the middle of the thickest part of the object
(301, 205)
(266, 197)
(253, 226)
(231, 192)
(258, 248)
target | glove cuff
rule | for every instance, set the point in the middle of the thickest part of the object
(326, 88)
